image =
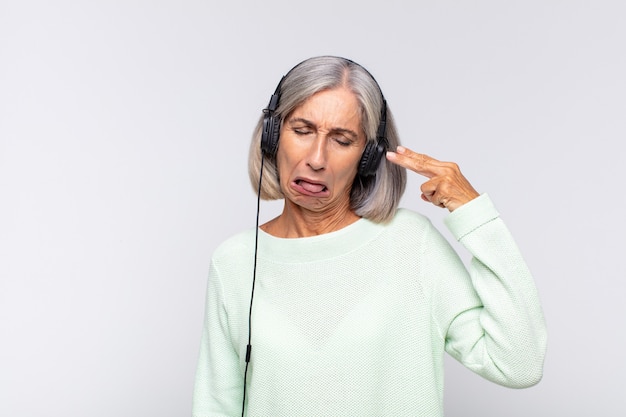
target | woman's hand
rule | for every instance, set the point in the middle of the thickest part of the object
(446, 186)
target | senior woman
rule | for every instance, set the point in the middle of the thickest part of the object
(356, 300)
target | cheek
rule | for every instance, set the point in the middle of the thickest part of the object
(349, 168)
(286, 151)
(284, 164)
(290, 154)
(346, 173)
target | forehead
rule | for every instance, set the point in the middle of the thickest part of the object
(336, 106)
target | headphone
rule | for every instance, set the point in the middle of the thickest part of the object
(372, 154)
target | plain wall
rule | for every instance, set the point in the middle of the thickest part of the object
(124, 133)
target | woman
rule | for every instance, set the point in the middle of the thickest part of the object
(356, 301)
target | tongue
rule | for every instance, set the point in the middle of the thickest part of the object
(313, 188)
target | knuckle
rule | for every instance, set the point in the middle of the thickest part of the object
(451, 167)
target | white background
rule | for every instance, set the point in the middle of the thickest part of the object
(124, 131)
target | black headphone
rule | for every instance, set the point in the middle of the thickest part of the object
(372, 154)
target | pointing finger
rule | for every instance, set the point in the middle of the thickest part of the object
(418, 162)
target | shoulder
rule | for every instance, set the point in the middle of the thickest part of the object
(409, 218)
(408, 227)
(238, 245)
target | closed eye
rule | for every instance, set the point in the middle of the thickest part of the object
(302, 131)
(343, 141)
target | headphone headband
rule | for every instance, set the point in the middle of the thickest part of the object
(373, 152)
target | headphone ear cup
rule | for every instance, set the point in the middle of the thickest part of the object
(370, 159)
(270, 136)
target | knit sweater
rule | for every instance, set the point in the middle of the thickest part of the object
(356, 322)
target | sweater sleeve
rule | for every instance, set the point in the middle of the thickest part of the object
(218, 389)
(503, 338)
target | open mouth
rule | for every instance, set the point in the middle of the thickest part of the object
(311, 187)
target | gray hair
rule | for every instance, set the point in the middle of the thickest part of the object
(375, 198)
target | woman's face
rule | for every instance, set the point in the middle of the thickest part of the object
(320, 145)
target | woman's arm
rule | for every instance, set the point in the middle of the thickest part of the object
(503, 336)
(218, 389)
(504, 339)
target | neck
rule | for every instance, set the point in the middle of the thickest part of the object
(296, 221)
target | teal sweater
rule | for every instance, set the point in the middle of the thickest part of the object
(356, 322)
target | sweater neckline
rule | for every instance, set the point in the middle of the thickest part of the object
(314, 248)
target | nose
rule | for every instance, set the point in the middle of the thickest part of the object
(316, 157)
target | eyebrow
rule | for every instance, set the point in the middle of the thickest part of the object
(309, 123)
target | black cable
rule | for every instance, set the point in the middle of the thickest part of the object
(256, 245)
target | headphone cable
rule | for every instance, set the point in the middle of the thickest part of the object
(256, 245)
